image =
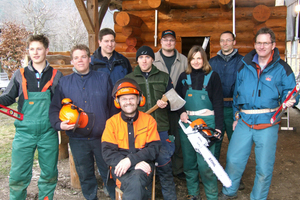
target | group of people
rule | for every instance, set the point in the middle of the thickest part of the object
(231, 93)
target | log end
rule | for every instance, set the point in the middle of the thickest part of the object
(261, 13)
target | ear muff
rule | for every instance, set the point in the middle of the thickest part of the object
(142, 101)
(116, 102)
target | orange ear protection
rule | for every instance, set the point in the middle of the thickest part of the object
(128, 88)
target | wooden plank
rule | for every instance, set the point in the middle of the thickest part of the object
(84, 16)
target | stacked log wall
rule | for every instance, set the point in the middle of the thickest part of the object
(200, 18)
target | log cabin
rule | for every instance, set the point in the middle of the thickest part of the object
(141, 22)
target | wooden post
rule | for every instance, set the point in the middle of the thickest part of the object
(75, 183)
(92, 8)
(63, 146)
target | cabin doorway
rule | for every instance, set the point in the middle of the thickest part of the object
(188, 42)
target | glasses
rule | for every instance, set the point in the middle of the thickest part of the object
(228, 40)
(165, 40)
(263, 43)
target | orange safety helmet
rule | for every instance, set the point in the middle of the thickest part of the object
(71, 112)
(127, 86)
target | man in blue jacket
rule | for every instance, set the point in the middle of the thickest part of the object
(262, 83)
(106, 59)
(90, 91)
(226, 63)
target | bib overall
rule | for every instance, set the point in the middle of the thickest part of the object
(193, 162)
(34, 132)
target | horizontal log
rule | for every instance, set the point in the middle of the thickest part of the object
(64, 69)
(225, 5)
(134, 41)
(120, 47)
(246, 47)
(58, 59)
(131, 31)
(213, 25)
(160, 5)
(117, 28)
(192, 4)
(63, 53)
(120, 37)
(261, 13)
(131, 49)
(278, 12)
(125, 19)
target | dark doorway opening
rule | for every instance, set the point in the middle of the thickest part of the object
(188, 42)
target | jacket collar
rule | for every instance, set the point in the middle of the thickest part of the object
(249, 57)
(30, 67)
(159, 58)
(138, 72)
(227, 57)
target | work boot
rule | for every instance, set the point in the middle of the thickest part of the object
(222, 196)
(192, 197)
(242, 185)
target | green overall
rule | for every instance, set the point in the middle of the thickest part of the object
(34, 132)
(193, 162)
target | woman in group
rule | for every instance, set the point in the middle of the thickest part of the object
(202, 90)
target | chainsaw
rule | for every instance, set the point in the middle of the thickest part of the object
(12, 113)
(200, 144)
(283, 106)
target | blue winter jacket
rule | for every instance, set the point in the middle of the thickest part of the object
(227, 72)
(92, 93)
(267, 91)
(117, 66)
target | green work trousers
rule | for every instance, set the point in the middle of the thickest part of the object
(227, 127)
(34, 132)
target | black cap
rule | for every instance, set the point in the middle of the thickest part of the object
(168, 32)
(145, 50)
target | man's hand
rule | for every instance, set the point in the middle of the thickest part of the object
(184, 117)
(234, 124)
(290, 102)
(143, 166)
(161, 103)
(122, 167)
(65, 126)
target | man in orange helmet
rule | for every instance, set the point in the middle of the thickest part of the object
(90, 91)
(130, 141)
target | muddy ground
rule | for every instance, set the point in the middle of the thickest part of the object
(285, 183)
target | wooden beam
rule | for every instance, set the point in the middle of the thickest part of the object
(103, 10)
(84, 16)
(92, 9)
(160, 5)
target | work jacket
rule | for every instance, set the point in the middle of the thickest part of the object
(117, 66)
(227, 72)
(153, 88)
(268, 90)
(179, 65)
(14, 88)
(116, 140)
(90, 92)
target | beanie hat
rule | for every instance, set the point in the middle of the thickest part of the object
(145, 50)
